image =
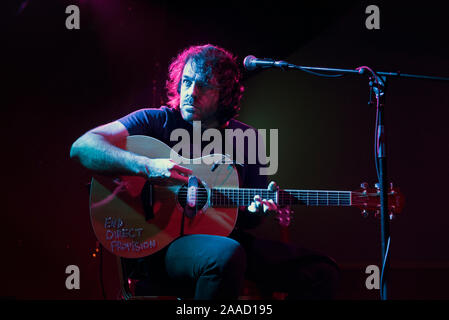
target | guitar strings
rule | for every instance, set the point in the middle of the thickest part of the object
(317, 193)
(310, 198)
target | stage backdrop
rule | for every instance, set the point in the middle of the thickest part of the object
(60, 83)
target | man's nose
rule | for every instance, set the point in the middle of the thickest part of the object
(194, 89)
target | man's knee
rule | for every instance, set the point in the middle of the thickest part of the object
(230, 257)
(223, 273)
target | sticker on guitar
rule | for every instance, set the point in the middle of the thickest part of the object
(133, 246)
(115, 231)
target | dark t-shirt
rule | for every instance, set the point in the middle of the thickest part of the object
(159, 123)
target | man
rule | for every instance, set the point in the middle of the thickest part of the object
(204, 85)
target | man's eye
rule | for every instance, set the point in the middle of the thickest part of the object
(186, 82)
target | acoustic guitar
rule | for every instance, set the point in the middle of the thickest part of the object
(133, 218)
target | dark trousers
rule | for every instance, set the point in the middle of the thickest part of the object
(211, 267)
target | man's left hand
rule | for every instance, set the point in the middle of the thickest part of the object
(264, 204)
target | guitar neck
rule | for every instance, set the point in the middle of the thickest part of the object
(233, 197)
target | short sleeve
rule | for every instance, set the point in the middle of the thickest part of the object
(147, 122)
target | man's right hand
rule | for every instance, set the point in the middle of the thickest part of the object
(163, 171)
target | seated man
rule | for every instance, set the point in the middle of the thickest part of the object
(204, 85)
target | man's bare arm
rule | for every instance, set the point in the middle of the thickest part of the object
(101, 150)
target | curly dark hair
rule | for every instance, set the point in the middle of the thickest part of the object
(214, 61)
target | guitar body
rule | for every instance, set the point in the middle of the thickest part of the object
(133, 218)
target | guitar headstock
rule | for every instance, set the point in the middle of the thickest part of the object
(368, 200)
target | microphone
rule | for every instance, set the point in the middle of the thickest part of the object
(251, 63)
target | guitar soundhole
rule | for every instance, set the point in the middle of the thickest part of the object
(201, 196)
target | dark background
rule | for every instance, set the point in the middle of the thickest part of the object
(59, 83)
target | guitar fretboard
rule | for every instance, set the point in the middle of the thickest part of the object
(232, 197)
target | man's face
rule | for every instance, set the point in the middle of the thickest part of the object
(198, 97)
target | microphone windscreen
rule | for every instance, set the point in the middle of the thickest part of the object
(247, 62)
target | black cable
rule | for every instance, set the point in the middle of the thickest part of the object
(383, 269)
(376, 141)
(378, 83)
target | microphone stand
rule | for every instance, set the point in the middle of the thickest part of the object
(377, 85)
(382, 175)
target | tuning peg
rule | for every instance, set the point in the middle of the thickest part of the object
(392, 216)
(284, 216)
(377, 185)
(377, 213)
(364, 185)
(365, 213)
